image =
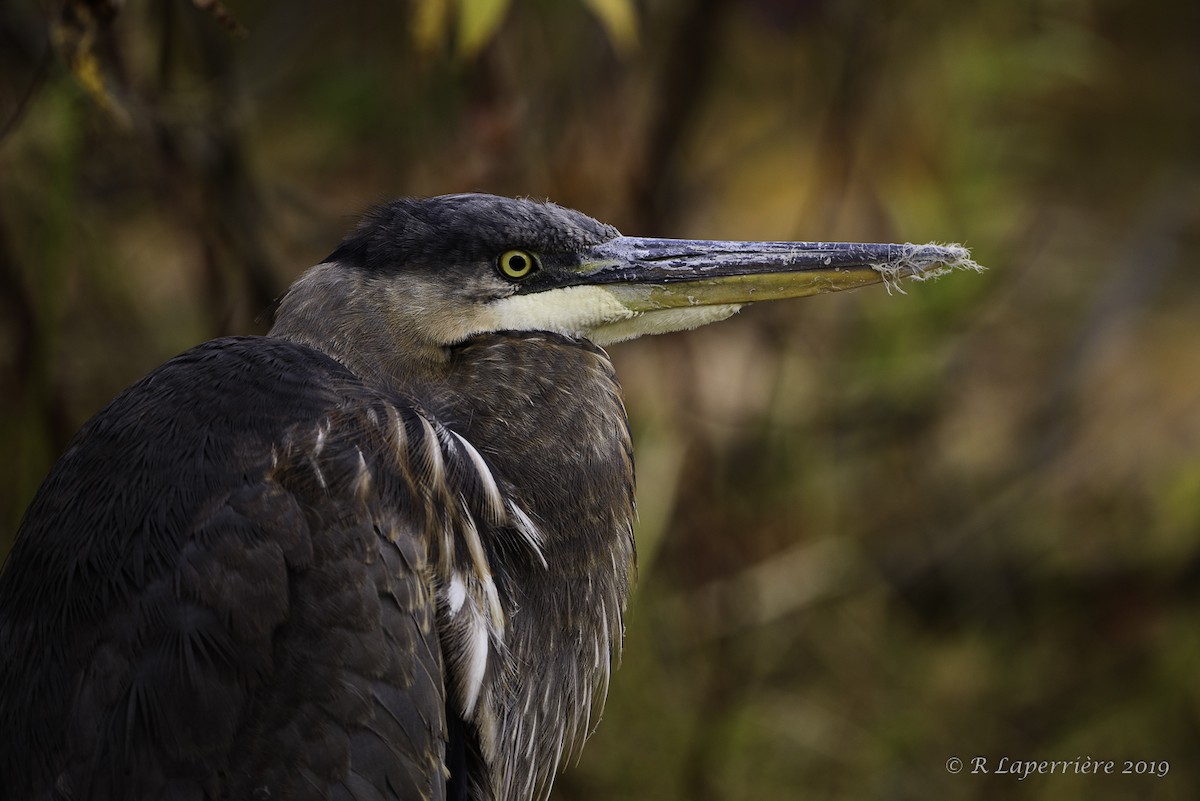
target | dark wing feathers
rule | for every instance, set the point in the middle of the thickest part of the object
(223, 590)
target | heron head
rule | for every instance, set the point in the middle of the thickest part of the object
(426, 274)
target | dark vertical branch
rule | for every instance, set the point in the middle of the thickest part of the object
(862, 34)
(685, 73)
(210, 183)
(25, 59)
(30, 387)
(725, 693)
(19, 310)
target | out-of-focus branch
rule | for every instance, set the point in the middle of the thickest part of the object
(26, 56)
(684, 75)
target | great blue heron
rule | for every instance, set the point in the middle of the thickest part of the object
(383, 552)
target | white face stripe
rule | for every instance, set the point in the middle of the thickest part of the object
(573, 311)
(596, 313)
(663, 321)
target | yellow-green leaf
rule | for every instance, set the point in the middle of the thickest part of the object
(619, 19)
(477, 23)
(431, 19)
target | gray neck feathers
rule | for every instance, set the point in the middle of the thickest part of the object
(529, 633)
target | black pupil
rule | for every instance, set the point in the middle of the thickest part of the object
(516, 263)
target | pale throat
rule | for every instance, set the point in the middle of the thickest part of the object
(601, 314)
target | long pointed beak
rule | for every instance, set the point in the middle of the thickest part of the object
(632, 286)
(650, 274)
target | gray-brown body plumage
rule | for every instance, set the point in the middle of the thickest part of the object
(259, 573)
(382, 553)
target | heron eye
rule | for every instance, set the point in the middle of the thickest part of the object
(517, 263)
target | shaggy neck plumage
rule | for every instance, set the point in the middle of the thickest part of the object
(559, 399)
(345, 313)
(565, 621)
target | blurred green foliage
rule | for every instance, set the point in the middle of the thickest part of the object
(877, 530)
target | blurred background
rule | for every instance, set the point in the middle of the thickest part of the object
(877, 529)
